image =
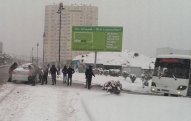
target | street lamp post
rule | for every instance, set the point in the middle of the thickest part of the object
(37, 53)
(43, 48)
(60, 20)
(32, 55)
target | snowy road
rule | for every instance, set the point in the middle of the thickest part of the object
(38, 103)
(19, 102)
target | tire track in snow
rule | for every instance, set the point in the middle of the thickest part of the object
(90, 117)
(12, 106)
(7, 94)
(68, 102)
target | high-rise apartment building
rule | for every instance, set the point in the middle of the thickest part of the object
(73, 15)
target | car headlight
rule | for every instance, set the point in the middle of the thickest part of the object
(181, 87)
(178, 93)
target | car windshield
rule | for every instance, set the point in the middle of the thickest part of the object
(172, 68)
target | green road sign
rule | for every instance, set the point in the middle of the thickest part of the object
(97, 38)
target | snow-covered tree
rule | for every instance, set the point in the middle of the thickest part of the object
(125, 74)
(106, 72)
(133, 77)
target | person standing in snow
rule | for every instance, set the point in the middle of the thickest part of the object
(53, 72)
(89, 73)
(32, 75)
(40, 75)
(45, 75)
(12, 67)
(86, 77)
(143, 79)
(64, 71)
(70, 71)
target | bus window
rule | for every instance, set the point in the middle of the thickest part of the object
(172, 68)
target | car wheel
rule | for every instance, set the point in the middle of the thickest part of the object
(14, 81)
(166, 94)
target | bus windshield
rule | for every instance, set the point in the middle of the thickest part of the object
(172, 68)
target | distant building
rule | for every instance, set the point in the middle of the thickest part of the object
(1, 47)
(72, 15)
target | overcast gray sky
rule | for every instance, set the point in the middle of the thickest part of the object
(148, 24)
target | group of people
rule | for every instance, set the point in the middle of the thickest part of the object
(43, 74)
(67, 75)
(34, 70)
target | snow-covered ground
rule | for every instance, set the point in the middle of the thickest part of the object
(101, 79)
(129, 107)
(39, 103)
(76, 103)
(102, 106)
(124, 58)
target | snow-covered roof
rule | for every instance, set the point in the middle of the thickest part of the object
(174, 56)
(118, 58)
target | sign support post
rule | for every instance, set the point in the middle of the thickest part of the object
(95, 61)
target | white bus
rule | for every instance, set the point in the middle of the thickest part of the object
(172, 75)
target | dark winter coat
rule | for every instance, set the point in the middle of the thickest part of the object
(70, 72)
(13, 67)
(89, 73)
(64, 71)
(53, 70)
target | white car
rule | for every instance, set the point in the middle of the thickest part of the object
(21, 73)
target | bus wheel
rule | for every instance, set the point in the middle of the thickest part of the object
(166, 94)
